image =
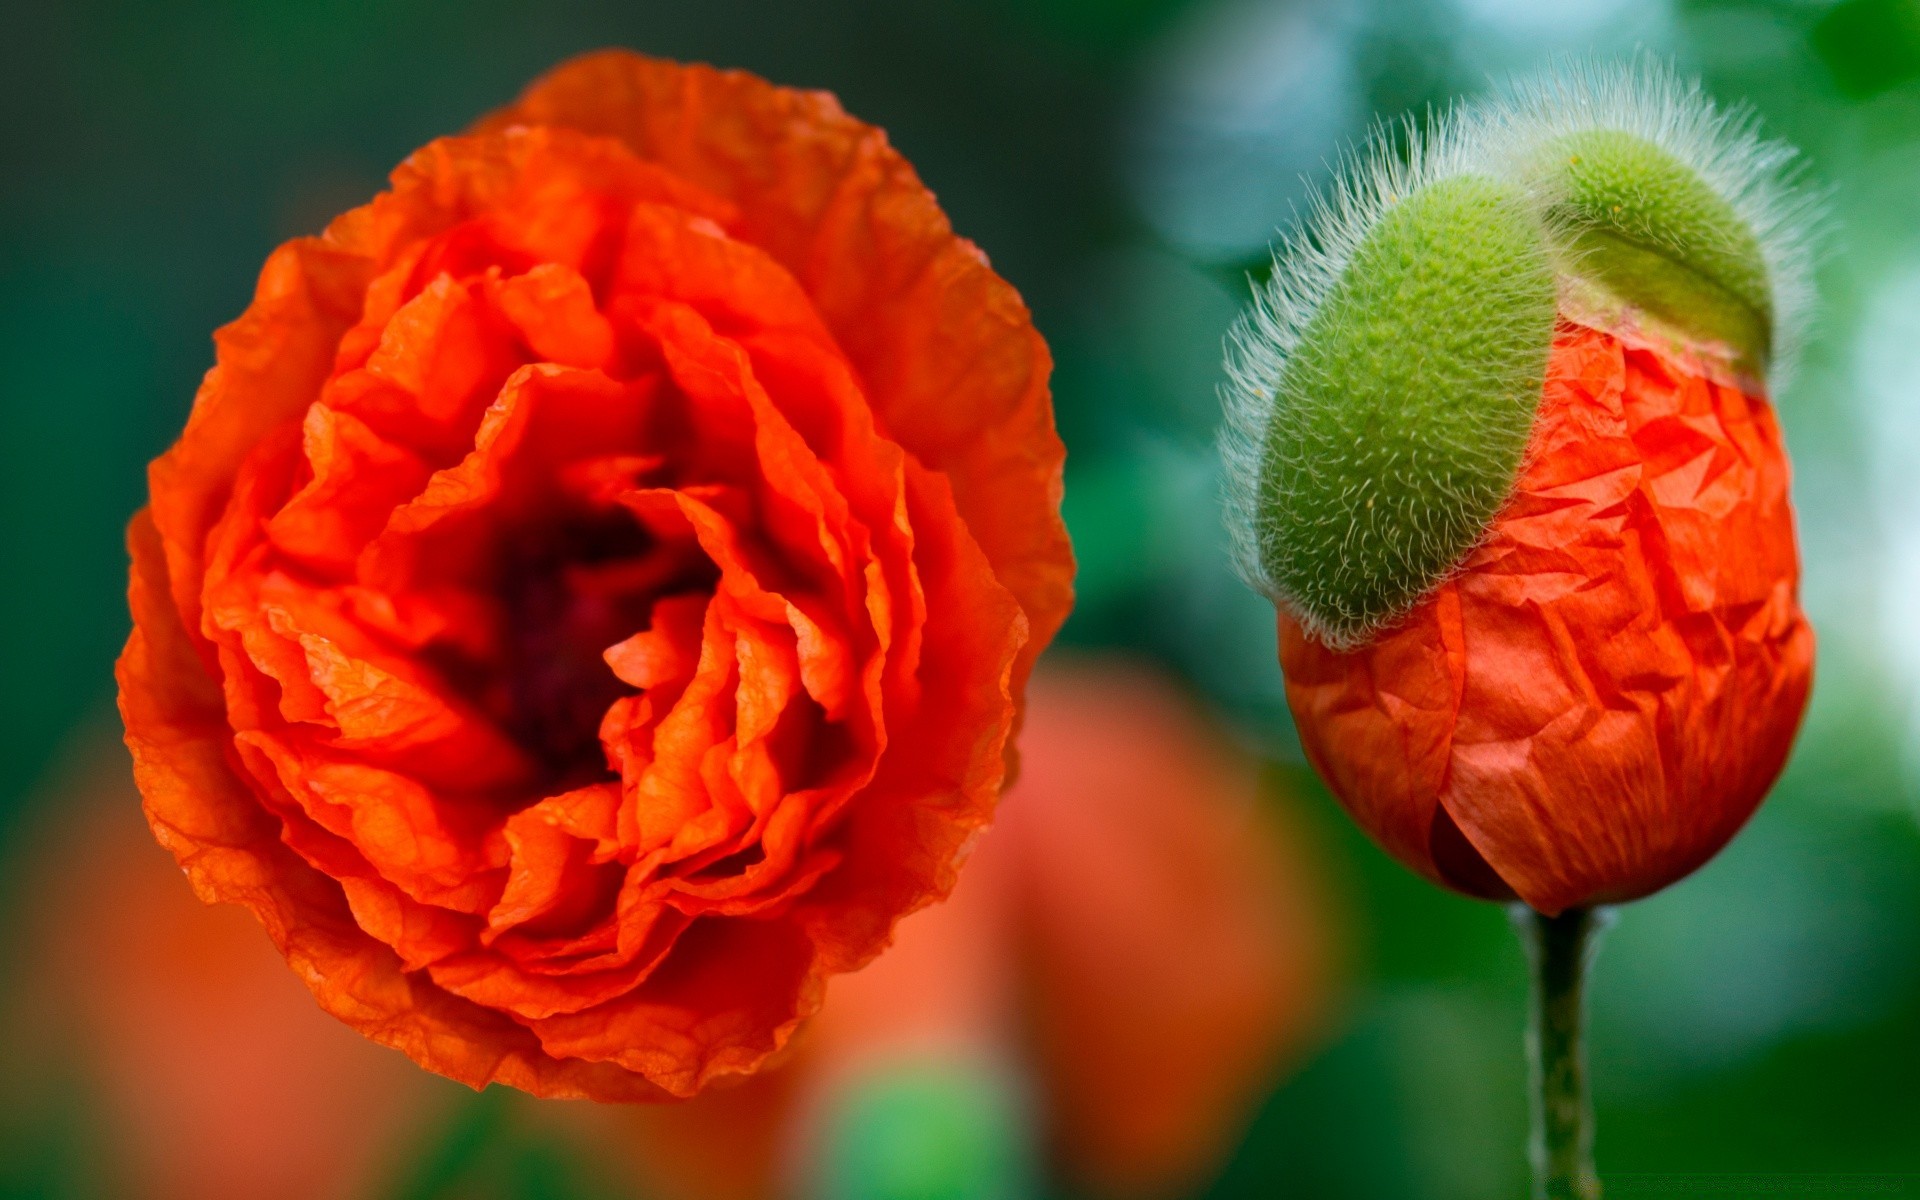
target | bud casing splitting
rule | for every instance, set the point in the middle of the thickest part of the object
(1500, 450)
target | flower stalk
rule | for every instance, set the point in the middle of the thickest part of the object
(1559, 950)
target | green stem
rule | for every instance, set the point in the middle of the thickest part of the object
(1559, 949)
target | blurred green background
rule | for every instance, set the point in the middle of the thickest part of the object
(1125, 163)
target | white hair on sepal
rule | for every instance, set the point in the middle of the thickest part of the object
(1761, 179)
(1502, 137)
(1397, 159)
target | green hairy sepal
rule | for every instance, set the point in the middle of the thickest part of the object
(1644, 229)
(1401, 419)
(1382, 389)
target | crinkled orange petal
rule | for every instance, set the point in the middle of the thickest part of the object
(1136, 934)
(945, 348)
(1604, 692)
(731, 994)
(230, 849)
(906, 833)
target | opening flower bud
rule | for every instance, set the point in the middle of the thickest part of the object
(1499, 448)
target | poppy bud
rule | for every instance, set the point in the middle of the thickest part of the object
(1499, 448)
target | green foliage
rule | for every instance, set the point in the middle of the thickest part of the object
(1870, 46)
(489, 1147)
(1400, 420)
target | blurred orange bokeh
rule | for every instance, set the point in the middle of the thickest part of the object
(1141, 938)
(211, 1073)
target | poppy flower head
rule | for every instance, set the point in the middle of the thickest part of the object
(1499, 448)
(592, 597)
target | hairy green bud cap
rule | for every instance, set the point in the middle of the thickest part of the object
(1381, 391)
(1400, 418)
(1644, 228)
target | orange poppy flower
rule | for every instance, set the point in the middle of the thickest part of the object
(593, 594)
(1602, 693)
(1149, 982)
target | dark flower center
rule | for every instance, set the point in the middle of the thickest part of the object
(564, 592)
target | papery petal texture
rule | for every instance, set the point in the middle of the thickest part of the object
(1143, 939)
(1601, 695)
(592, 598)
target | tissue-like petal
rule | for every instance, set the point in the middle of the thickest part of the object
(1603, 693)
